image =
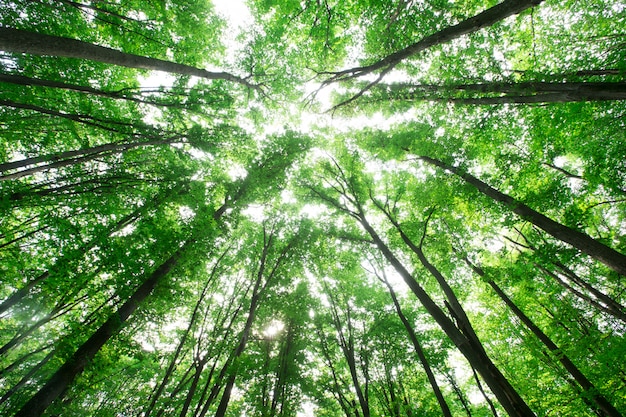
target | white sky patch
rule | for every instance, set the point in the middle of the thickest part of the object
(157, 79)
(236, 171)
(307, 410)
(235, 12)
(186, 213)
(313, 211)
(255, 212)
(125, 231)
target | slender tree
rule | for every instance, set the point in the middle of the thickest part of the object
(581, 241)
(604, 407)
(27, 42)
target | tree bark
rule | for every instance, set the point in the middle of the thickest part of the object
(581, 241)
(523, 92)
(347, 348)
(115, 95)
(26, 42)
(602, 405)
(77, 156)
(257, 292)
(499, 385)
(473, 24)
(62, 378)
(445, 409)
(192, 321)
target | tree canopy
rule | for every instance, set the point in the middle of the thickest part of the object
(324, 208)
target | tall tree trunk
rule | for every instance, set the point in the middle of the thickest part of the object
(508, 397)
(347, 347)
(589, 390)
(523, 92)
(243, 341)
(192, 321)
(459, 394)
(67, 158)
(26, 42)
(602, 302)
(581, 241)
(26, 377)
(473, 24)
(258, 290)
(62, 378)
(485, 396)
(63, 262)
(115, 95)
(445, 409)
(499, 385)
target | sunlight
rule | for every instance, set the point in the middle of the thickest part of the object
(274, 328)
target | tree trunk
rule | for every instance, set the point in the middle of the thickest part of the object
(243, 341)
(462, 399)
(499, 385)
(77, 156)
(445, 409)
(473, 24)
(602, 302)
(114, 95)
(523, 92)
(26, 42)
(192, 320)
(347, 348)
(581, 241)
(257, 291)
(62, 378)
(589, 390)
(64, 261)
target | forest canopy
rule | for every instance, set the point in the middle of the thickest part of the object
(312, 208)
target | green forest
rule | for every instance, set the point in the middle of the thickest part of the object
(298, 208)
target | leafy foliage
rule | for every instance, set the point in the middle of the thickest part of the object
(257, 248)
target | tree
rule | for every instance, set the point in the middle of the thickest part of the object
(21, 41)
(450, 243)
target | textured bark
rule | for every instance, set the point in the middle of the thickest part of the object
(62, 263)
(347, 347)
(26, 42)
(473, 24)
(173, 362)
(522, 93)
(257, 294)
(115, 95)
(67, 158)
(581, 241)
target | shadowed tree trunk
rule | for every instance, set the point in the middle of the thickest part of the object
(26, 42)
(603, 407)
(522, 93)
(257, 292)
(346, 343)
(445, 409)
(63, 262)
(508, 397)
(115, 95)
(473, 24)
(581, 241)
(62, 378)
